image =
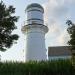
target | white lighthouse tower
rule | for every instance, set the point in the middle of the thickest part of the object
(35, 31)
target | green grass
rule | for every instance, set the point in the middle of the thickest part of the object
(54, 67)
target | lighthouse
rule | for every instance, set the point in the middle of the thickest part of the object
(35, 30)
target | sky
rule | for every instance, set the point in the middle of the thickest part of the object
(57, 12)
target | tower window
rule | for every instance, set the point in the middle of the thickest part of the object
(33, 22)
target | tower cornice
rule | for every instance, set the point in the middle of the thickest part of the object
(25, 28)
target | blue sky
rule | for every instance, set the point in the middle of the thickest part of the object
(56, 14)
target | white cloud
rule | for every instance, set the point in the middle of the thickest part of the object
(56, 13)
(58, 9)
(55, 9)
(54, 27)
(63, 38)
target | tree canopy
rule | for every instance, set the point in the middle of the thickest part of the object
(7, 25)
(71, 31)
(71, 42)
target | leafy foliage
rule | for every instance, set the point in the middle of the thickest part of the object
(71, 42)
(54, 67)
(71, 31)
(7, 25)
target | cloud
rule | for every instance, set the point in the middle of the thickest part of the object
(63, 38)
(54, 26)
(56, 9)
(56, 14)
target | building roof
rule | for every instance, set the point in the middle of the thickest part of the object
(34, 5)
(59, 51)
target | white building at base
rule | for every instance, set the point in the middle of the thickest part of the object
(35, 31)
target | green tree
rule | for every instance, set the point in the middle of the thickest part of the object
(71, 42)
(7, 25)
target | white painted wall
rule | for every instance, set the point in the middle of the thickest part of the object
(35, 35)
(35, 45)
